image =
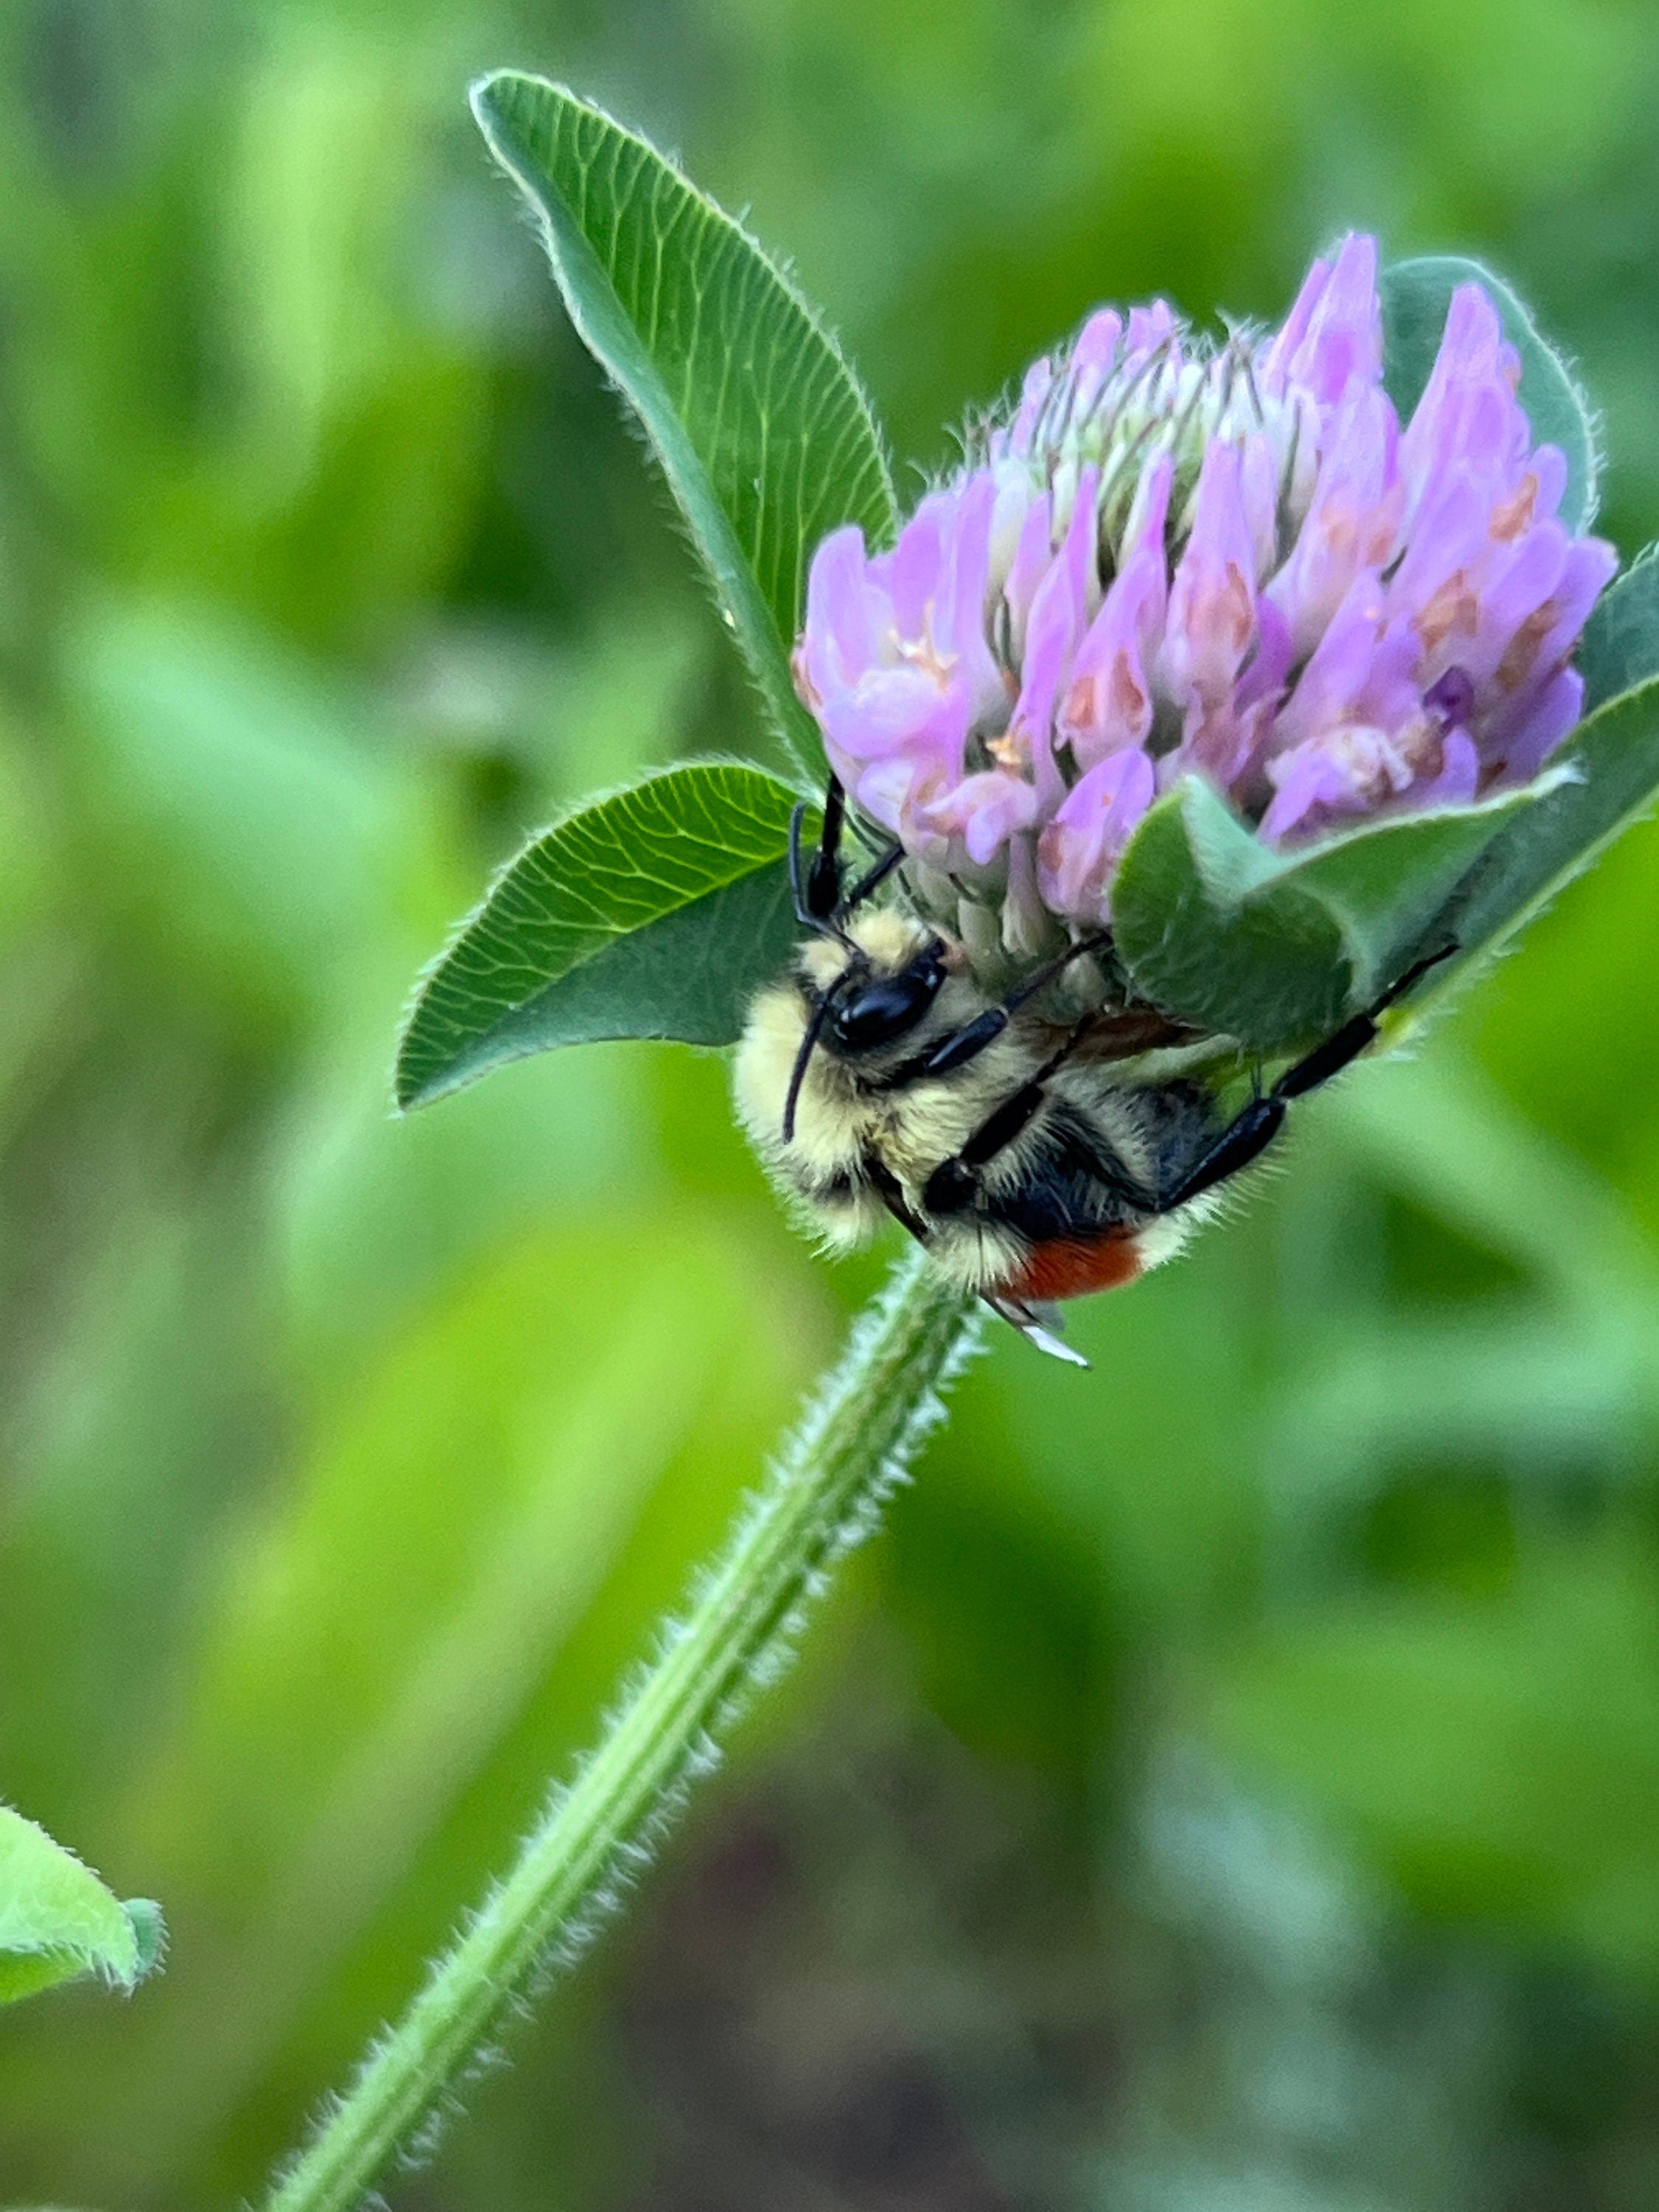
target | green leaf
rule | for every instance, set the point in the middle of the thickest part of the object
(1415, 297)
(1620, 648)
(58, 1922)
(1276, 948)
(651, 912)
(761, 430)
(1614, 771)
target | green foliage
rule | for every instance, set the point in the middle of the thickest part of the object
(1415, 297)
(233, 791)
(1412, 1716)
(1275, 948)
(764, 437)
(484, 1512)
(58, 1922)
(1614, 765)
(848, 1451)
(1619, 649)
(301, 477)
(655, 912)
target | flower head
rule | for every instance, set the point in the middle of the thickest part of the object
(1229, 560)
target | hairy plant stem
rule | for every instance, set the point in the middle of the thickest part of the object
(851, 1445)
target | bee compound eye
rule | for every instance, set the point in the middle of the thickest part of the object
(882, 1011)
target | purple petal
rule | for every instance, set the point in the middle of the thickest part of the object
(1459, 779)
(959, 623)
(1353, 522)
(1349, 769)
(896, 708)
(846, 619)
(1467, 416)
(1108, 699)
(1264, 674)
(1032, 556)
(1211, 615)
(1059, 612)
(1033, 393)
(1095, 354)
(1152, 329)
(1548, 628)
(1342, 344)
(916, 564)
(1554, 715)
(1080, 850)
(1258, 490)
(1330, 687)
(983, 811)
(1286, 346)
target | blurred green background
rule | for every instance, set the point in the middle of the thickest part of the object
(1231, 1784)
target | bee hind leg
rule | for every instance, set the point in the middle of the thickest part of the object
(1254, 1128)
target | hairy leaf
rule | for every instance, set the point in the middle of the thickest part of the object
(1620, 648)
(1277, 948)
(1616, 757)
(651, 912)
(57, 1921)
(761, 430)
(1415, 297)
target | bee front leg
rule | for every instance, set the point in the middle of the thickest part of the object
(816, 887)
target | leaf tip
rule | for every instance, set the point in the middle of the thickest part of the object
(414, 1082)
(489, 97)
(150, 1938)
(410, 1090)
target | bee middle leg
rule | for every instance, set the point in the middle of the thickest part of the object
(954, 1182)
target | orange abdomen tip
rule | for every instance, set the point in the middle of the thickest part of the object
(1072, 1267)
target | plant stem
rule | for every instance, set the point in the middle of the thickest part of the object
(852, 1445)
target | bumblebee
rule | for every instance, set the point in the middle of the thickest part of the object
(1037, 1145)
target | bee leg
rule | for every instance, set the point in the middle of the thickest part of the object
(971, 1039)
(891, 1191)
(868, 881)
(816, 889)
(820, 904)
(1249, 1133)
(953, 1183)
(1038, 1325)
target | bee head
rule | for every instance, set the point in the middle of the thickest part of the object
(870, 985)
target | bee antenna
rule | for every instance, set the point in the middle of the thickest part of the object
(808, 1046)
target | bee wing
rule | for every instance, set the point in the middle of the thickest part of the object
(1127, 1034)
(1038, 1325)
